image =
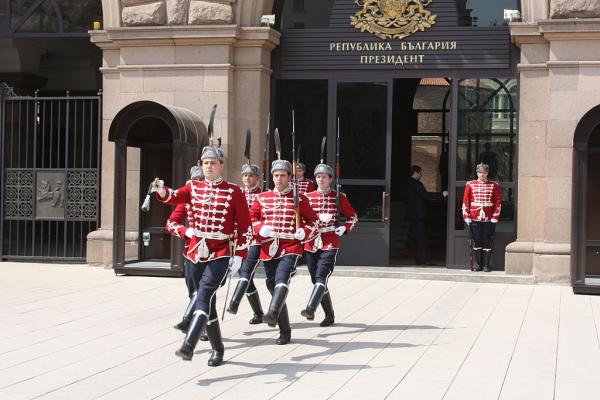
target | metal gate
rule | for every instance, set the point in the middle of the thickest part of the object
(50, 176)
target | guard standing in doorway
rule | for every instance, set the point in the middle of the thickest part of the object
(481, 211)
(250, 178)
(321, 252)
(220, 219)
(281, 228)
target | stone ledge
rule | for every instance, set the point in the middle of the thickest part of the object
(142, 36)
(546, 31)
(539, 248)
(166, 67)
(437, 274)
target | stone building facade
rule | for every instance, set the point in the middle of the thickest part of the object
(193, 54)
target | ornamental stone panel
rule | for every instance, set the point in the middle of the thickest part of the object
(562, 9)
(208, 12)
(176, 12)
(145, 14)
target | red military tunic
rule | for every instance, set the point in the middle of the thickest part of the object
(305, 186)
(219, 213)
(250, 195)
(323, 203)
(276, 209)
(482, 201)
(175, 222)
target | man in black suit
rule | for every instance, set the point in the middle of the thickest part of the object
(416, 211)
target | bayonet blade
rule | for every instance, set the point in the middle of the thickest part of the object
(248, 144)
(323, 144)
(211, 124)
(277, 144)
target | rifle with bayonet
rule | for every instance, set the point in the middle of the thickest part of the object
(265, 162)
(337, 175)
(294, 179)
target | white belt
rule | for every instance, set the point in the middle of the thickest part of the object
(327, 229)
(284, 235)
(482, 204)
(211, 235)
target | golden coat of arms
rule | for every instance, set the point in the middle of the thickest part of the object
(393, 19)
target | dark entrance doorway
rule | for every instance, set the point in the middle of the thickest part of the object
(585, 243)
(167, 140)
(420, 135)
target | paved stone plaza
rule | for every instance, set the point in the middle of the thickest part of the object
(74, 332)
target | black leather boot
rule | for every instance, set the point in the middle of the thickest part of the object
(192, 336)
(254, 301)
(203, 335)
(216, 342)
(238, 293)
(277, 301)
(486, 260)
(327, 305)
(187, 315)
(478, 260)
(285, 330)
(313, 301)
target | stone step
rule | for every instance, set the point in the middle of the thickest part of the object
(428, 273)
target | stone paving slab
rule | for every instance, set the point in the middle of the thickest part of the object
(76, 332)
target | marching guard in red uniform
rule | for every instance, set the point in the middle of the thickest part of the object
(220, 218)
(321, 251)
(481, 211)
(176, 225)
(274, 221)
(250, 178)
(304, 185)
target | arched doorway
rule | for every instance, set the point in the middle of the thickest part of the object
(585, 236)
(167, 140)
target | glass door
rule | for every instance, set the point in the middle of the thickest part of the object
(363, 109)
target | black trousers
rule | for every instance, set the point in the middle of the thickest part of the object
(320, 265)
(417, 231)
(280, 271)
(213, 275)
(483, 232)
(193, 274)
(249, 267)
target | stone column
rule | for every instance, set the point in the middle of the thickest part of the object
(187, 60)
(560, 78)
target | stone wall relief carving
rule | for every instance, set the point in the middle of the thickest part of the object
(176, 12)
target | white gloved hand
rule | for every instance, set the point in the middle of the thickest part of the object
(300, 234)
(468, 221)
(494, 221)
(235, 263)
(189, 233)
(340, 230)
(157, 186)
(325, 218)
(266, 231)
